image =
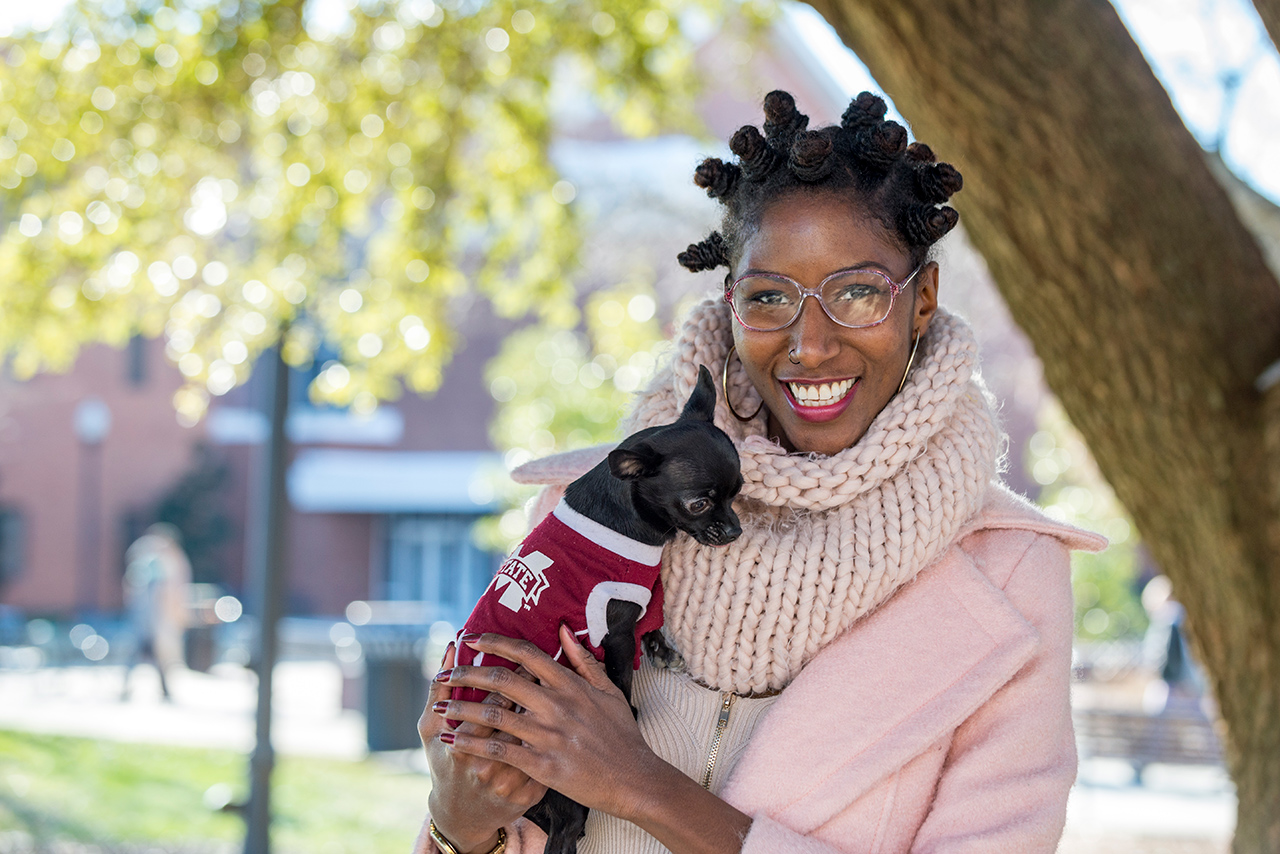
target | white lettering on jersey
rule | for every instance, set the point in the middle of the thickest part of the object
(524, 579)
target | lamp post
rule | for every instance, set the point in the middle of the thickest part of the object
(92, 423)
(267, 568)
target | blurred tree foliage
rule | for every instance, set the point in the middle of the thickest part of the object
(234, 173)
(1106, 585)
(569, 388)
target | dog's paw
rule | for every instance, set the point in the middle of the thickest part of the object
(661, 653)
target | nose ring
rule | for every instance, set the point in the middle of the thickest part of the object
(791, 357)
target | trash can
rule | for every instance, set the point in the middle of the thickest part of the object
(395, 688)
(200, 648)
(200, 640)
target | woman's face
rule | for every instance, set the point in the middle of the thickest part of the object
(809, 237)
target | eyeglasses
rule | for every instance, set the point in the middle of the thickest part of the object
(765, 302)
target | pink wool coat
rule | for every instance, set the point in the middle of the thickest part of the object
(938, 724)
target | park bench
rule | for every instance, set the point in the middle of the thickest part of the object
(1183, 737)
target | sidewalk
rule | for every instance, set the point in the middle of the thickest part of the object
(215, 709)
(1176, 811)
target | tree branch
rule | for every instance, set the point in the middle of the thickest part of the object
(1269, 12)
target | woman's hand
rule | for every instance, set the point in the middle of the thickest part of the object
(576, 733)
(472, 796)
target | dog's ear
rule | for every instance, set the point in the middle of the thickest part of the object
(701, 405)
(640, 460)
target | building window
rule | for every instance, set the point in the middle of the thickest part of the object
(433, 559)
(11, 544)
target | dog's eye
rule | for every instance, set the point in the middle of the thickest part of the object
(699, 505)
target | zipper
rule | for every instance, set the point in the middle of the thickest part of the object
(722, 723)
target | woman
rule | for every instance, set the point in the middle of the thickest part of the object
(880, 663)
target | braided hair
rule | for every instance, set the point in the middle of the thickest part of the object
(902, 186)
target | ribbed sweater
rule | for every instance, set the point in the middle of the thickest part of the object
(679, 720)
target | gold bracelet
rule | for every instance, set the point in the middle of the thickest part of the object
(447, 847)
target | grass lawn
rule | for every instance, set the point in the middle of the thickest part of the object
(53, 787)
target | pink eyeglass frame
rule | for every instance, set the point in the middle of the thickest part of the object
(895, 288)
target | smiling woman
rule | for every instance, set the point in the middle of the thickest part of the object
(881, 661)
(822, 378)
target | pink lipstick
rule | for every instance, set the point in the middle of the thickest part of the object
(819, 414)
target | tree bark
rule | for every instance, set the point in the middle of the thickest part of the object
(1269, 12)
(1148, 301)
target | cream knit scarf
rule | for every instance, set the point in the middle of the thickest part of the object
(825, 539)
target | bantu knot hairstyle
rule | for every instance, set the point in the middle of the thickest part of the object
(718, 178)
(866, 110)
(918, 152)
(756, 156)
(865, 157)
(925, 224)
(707, 255)
(782, 121)
(810, 158)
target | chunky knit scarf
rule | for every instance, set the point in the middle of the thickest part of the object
(825, 539)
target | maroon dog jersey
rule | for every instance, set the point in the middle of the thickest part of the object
(565, 571)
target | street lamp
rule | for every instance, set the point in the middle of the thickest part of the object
(91, 422)
(267, 572)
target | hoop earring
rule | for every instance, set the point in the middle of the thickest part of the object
(909, 361)
(724, 384)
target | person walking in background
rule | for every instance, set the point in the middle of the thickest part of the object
(157, 581)
(1176, 683)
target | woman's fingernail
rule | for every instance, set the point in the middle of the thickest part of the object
(447, 737)
(439, 708)
(443, 675)
(470, 637)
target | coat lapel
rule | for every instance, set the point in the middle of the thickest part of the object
(952, 640)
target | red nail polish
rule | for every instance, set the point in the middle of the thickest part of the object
(440, 707)
(447, 737)
(443, 675)
(470, 637)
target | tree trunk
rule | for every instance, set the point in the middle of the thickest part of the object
(1269, 12)
(1148, 301)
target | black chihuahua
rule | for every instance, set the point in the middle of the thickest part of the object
(593, 564)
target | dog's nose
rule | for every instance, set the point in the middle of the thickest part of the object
(721, 534)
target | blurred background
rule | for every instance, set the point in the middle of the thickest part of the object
(456, 225)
